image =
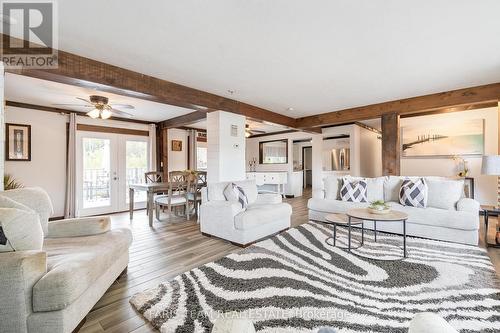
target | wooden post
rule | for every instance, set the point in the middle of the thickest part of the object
(164, 154)
(391, 145)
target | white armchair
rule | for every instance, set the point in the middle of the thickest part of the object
(265, 215)
(52, 287)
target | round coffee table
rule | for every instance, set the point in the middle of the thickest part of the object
(345, 221)
(393, 216)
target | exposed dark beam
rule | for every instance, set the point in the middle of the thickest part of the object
(92, 74)
(468, 97)
(272, 133)
(66, 111)
(184, 120)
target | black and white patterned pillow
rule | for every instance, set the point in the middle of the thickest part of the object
(353, 190)
(414, 193)
(235, 193)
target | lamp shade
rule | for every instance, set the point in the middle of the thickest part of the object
(491, 165)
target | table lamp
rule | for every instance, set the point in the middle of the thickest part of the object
(491, 167)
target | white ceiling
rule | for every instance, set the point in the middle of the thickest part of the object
(46, 93)
(313, 56)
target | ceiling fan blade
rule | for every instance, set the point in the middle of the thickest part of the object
(85, 100)
(120, 113)
(76, 105)
(122, 106)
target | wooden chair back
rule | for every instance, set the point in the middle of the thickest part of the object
(176, 176)
(153, 177)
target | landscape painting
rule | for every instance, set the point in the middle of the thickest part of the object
(443, 138)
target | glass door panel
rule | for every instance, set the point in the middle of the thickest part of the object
(136, 164)
(96, 172)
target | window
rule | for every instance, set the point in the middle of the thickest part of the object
(201, 158)
(273, 152)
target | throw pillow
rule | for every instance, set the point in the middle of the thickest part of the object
(414, 193)
(20, 230)
(235, 193)
(353, 190)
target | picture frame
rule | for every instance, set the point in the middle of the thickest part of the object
(176, 145)
(17, 142)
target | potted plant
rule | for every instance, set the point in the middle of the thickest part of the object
(379, 207)
(191, 175)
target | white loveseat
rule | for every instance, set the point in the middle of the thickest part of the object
(52, 286)
(448, 215)
(265, 215)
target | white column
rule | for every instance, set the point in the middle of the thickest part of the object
(226, 146)
(317, 162)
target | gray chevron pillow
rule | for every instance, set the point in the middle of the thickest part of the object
(414, 193)
(353, 190)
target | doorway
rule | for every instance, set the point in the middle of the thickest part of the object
(106, 164)
(307, 166)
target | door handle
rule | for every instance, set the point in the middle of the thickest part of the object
(115, 178)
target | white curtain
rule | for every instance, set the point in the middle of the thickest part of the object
(70, 203)
(152, 149)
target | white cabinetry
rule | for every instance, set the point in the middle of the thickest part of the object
(265, 180)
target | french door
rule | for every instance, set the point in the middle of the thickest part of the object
(106, 164)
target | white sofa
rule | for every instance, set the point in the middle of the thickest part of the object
(265, 215)
(448, 215)
(52, 286)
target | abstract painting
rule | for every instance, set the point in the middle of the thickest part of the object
(443, 138)
(18, 142)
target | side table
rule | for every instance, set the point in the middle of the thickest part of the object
(490, 211)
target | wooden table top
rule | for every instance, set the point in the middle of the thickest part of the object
(363, 213)
(339, 218)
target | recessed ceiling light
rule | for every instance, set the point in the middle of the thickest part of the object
(290, 109)
(230, 91)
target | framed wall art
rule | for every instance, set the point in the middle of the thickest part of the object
(18, 142)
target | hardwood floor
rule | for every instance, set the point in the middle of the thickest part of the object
(160, 253)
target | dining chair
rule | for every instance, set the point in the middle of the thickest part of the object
(194, 195)
(152, 177)
(177, 176)
(176, 197)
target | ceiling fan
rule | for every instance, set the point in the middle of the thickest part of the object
(249, 132)
(101, 107)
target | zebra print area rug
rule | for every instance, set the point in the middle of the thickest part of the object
(295, 282)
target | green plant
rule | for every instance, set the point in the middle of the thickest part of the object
(10, 183)
(379, 204)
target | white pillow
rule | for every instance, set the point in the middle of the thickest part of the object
(332, 187)
(20, 230)
(444, 193)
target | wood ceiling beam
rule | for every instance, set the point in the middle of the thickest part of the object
(66, 111)
(460, 99)
(184, 120)
(92, 74)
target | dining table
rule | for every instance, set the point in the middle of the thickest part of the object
(151, 189)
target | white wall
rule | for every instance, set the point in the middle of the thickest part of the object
(177, 160)
(226, 153)
(370, 153)
(47, 168)
(2, 127)
(485, 186)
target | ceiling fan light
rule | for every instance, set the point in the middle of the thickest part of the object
(105, 114)
(93, 114)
